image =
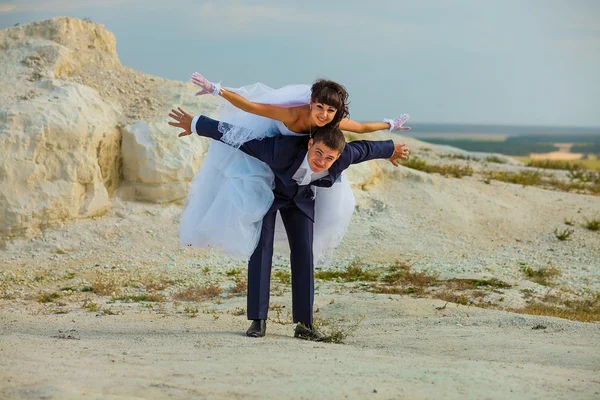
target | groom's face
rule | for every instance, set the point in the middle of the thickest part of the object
(320, 157)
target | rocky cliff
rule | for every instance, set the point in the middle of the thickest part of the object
(77, 127)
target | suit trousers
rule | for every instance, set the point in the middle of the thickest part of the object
(299, 228)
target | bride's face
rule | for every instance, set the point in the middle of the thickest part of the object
(321, 114)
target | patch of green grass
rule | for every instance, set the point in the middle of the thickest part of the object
(353, 273)
(469, 284)
(555, 164)
(457, 171)
(191, 310)
(543, 276)
(564, 234)
(456, 157)
(592, 224)
(525, 178)
(152, 297)
(90, 306)
(233, 272)
(49, 297)
(495, 159)
(283, 276)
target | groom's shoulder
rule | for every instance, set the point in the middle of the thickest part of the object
(281, 150)
(290, 145)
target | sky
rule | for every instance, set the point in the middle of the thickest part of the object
(508, 62)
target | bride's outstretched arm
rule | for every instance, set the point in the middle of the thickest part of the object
(264, 110)
(363, 127)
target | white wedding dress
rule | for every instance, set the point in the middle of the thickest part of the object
(232, 191)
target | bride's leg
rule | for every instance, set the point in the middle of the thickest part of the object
(334, 207)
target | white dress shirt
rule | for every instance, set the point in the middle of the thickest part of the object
(305, 175)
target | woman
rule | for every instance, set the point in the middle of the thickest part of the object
(232, 191)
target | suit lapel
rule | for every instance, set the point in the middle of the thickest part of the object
(287, 177)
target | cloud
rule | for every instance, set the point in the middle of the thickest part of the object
(56, 5)
(248, 18)
(6, 8)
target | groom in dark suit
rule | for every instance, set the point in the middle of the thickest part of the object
(298, 163)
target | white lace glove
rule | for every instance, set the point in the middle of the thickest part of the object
(206, 85)
(396, 123)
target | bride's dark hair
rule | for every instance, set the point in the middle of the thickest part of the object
(333, 94)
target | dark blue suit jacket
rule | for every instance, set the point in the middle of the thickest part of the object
(284, 155)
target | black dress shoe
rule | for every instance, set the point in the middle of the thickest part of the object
(258, 328)
(308, 332)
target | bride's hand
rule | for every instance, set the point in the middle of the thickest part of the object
(396, 123)
(207, 86)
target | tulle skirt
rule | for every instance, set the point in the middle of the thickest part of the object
(232, 191)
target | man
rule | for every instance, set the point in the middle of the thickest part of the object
(297, 162)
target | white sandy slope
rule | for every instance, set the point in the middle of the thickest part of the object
(404, 349)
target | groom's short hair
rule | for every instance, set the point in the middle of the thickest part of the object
(330, 137)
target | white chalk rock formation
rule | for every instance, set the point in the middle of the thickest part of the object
(60, 158)
(157, 165)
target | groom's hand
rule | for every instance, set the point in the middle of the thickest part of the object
(183, 121)
(400, 152)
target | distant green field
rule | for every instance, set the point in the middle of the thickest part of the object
(511, 148)
(515, 145)
(492, 137)
(593, 164)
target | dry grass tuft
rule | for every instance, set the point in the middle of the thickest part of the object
(240, 288)
(584, 310)
(471, 284)
(457, 171)
(107, 284)
(451, 296)
(155, 283)
(543, 276)
(335, 332)
(198, 293)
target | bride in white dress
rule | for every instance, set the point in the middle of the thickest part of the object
(232, 191)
